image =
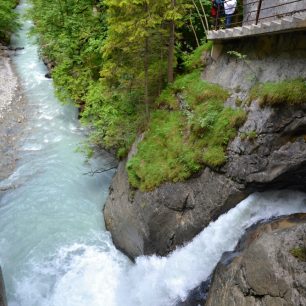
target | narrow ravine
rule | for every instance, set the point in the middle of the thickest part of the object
(54, 249)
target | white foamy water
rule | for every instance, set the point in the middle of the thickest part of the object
(54, 249)
(98, 275)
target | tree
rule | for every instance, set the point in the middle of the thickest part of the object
(8, 19)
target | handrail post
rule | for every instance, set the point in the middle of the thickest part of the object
(258, 11)
(217, 18)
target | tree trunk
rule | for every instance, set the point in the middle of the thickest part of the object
(171, 47)
(194, 32)
(146, 70)
(203, 10)
(203, 25)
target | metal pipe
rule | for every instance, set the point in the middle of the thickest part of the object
(258, 11)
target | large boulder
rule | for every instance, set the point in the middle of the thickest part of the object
(158, 221)
(266, 272)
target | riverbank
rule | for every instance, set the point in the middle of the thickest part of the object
(12, 114)
(11, 119)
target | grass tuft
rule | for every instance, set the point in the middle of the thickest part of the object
(214, 156)
(286, 92)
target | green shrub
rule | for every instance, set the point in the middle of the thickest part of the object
(285, 92)
(8, 20)
(115, 118)
(251, 135)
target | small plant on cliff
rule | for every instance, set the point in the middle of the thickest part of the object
(237, 55)
(251, 135)
(299, 253)
(285, 92)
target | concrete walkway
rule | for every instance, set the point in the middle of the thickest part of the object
(282, 25)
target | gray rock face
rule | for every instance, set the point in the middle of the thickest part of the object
(158, 221)
(265, 273)
(278, 150)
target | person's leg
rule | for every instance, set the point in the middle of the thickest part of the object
(228, 20)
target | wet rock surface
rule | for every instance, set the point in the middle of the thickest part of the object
(265, 273)
(274, 158)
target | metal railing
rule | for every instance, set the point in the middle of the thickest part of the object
(248, 13)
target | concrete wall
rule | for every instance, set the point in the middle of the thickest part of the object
(266, 11)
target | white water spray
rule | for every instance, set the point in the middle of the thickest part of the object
(99, 275)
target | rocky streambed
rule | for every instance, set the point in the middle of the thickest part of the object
(12, 114)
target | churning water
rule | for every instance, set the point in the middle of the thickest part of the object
(54, 249)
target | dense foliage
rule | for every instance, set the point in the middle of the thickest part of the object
(117, 60)
(8, 19)
(114, 57)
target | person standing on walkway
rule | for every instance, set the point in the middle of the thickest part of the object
(229, 9)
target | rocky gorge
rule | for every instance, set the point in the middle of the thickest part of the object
(268, 153)
(275, 158)
(68, 258)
